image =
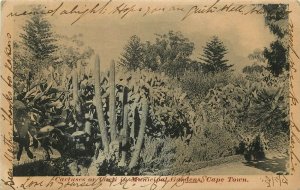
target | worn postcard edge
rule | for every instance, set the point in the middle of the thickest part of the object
(8, 181)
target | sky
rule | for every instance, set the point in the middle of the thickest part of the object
(108, 34)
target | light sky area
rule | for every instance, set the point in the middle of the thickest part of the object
(108, 34)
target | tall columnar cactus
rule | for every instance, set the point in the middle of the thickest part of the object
(125, 130)
(99, 106)
(112, 102)
(75, 89)
(140, 138)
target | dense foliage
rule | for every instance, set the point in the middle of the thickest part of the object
(170, 53)
(156, 109)
(276, 18)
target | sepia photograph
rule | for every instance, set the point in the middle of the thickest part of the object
(151, 96)
(157, 94)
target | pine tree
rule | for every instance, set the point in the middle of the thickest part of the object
(213, 56)
(133, 58)
(39, 41)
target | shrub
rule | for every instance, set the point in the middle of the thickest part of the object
(198, 84)
(160, 153)
(211, 143)
(255, 104)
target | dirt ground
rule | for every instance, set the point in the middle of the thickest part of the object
(265, 167)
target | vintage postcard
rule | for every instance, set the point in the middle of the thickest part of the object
(155, 95)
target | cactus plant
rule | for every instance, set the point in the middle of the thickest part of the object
(112, 102)
(99, 106)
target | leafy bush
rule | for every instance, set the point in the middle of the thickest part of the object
(170, 113)
(158, 154)
(211, 143)
(249, 106)
(197, 84)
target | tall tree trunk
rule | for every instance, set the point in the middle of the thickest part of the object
(112, 102)
(125, 129)
(140, 139)
(99, 106)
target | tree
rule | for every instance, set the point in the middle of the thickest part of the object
(132, 58)
(257, 56)
(35, 49)
(213, 56)
(277, 58)
(258, 61)
(169, 53)
(151, 59)
(173, 52)
(39, 41)
(276, 17)
(21, 65)
(72, 49)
